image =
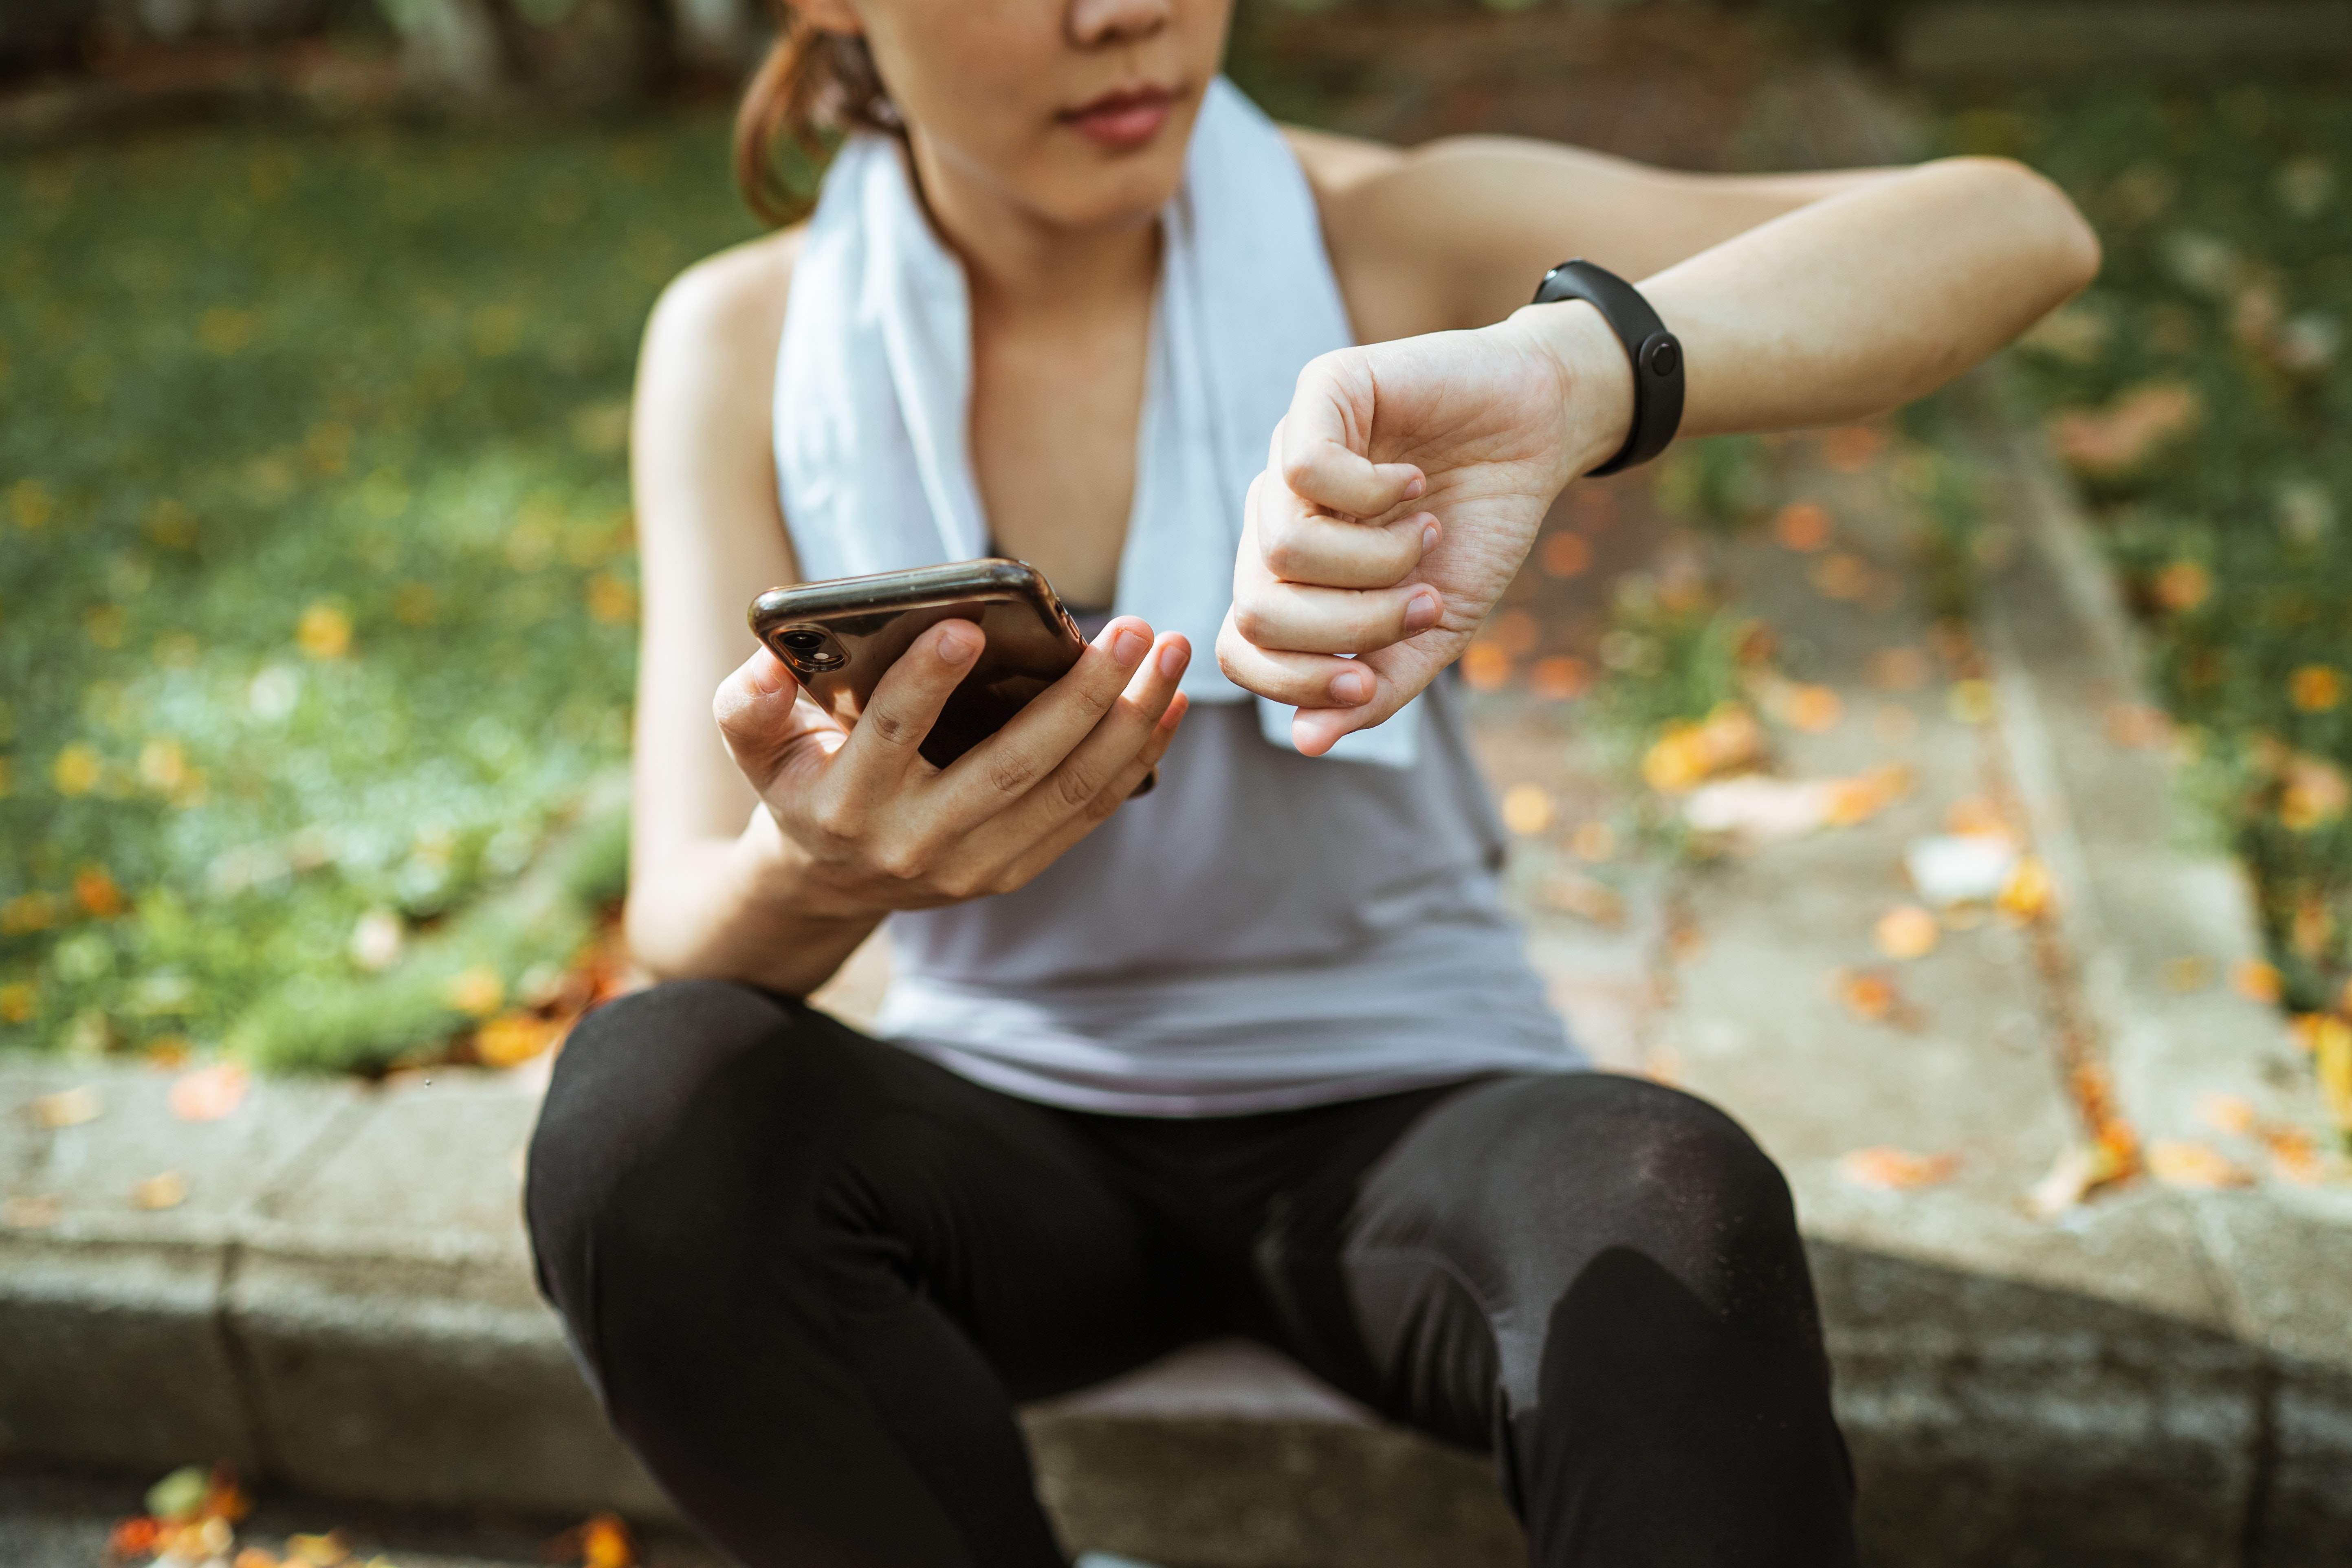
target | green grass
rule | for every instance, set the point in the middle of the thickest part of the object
(316, 565)
(2227, 219)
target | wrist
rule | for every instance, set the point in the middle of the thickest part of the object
(774, 874)
(1595, 377)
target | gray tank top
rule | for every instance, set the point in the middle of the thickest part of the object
(1262, 931)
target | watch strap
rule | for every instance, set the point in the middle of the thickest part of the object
(1657, 353)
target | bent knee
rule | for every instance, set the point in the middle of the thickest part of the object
(642, 1084)
(1624, 1159)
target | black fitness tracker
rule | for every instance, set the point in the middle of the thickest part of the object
(1657, 353)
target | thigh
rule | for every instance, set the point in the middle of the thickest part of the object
(731, 1141)
(1426, 1280)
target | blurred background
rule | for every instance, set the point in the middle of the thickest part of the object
(317, 583)
(316, 579)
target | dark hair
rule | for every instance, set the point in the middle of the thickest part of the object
(811, 82)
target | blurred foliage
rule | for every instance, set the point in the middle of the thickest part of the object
(316, 571)
(2200, 391)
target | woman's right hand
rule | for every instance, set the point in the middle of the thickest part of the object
(857, 823)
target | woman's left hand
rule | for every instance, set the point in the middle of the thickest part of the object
(1403, 490)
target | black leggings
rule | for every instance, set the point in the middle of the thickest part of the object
(812, 1274)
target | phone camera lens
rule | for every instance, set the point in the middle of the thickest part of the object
(803, 640)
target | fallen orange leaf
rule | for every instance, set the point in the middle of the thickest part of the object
(2232, 1113)
(1593, 841)
(1561, 678)
(511, 1039)
(1844, 576)
(2316, 688)
(477, 991)
(1486, 667)
(2187, 972)
(2028, 891)
(1871, 995)
(2183, 585)
(1865, 794)
(2334, 1050)
(1849, 448)
(167, 1191)
(1970, 701)
(325, 1550)
(1565, 555)
(2119, 436)
(2255, 980)
(1899, 669)
(1815, 710)
(1803, 526)
(1896, 1170)
(2080, 1169)
(2293, 1156)
(605, 1544)
(68, 1108)
(1526, 809)
(96, 892)
(1907, 931)
(2196, 1167)
(325, 631)
(207, 1094)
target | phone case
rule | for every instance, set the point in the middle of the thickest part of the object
(839, 638)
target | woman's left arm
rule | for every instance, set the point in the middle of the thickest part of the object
(1799, 301)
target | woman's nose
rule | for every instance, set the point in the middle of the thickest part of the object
(1094, 23)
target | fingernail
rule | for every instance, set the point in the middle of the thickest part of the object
(958, 646)
(1172, 659)
(1413, 490)
(1129, 647)
(1350, 687)
(1428, 537)
(1421, 613)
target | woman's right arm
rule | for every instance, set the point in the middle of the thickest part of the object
(764, 846)
(710, 536)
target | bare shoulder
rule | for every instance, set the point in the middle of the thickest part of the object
(1335, 163)
(736, 296)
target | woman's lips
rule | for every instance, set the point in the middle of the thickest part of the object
(1127, 118)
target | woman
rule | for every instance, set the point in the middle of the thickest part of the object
(1256, 1053)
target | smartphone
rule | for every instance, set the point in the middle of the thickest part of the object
(839, 638)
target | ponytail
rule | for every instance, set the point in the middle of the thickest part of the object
(811, 82)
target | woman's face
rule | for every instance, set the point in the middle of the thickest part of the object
(1077, 111)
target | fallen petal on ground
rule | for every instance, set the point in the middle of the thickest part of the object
(1891, 1168)
(2193, 1167)
(208, 1094)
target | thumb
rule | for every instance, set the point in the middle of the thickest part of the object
(761, 719)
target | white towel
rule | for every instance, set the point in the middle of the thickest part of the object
(873, 385)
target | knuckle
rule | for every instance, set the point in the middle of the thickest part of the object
(1011, 774)
(836, 818)
(1285, 552)
(1096, 697)
(901, 862)
(889, 727)
(1250, 621)
(1074, 786)
(957, 885)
